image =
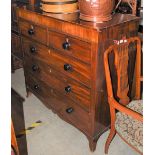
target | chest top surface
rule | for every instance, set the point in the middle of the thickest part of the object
(116, 19)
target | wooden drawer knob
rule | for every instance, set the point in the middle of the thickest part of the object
(31, 31)
(35, 68)
(66, 46)
(33, 49)
(68, 89)
(67, 67)
(36, 86)
(69, 110)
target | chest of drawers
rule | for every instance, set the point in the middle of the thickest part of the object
(63, 66)
(16, 53)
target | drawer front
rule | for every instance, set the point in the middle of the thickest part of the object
(70, 67)
(33, 31)
(68, 87)
(15, 43)
(14, 12)
(77, 116)
(43, 91)
(34, 49)
(14, 26)
(67, 109)
(74, 47)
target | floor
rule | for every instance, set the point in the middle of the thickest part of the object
(54, 136)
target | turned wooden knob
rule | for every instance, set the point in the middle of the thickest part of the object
(35, 68)
(33, 49)
(69, 110)
(67, 67)
(31, 31)
(36, 86)
(68, 89)
(66, 46)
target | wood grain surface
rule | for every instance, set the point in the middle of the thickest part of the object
(79, 45)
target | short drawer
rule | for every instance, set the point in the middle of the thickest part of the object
(33, 31)
(68, 87)
(71, 46)
(73, 68)
(43, 91)
(34, 49)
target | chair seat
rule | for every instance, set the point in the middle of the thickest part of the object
(130, 129)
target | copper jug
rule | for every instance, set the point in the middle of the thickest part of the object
(96, 10)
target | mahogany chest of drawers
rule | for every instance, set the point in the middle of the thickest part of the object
(16, 51)
(63, 66)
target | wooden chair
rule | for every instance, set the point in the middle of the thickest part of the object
(131, 3)
(128, 122)
(14, 146)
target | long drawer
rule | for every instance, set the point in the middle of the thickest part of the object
(68, 87)
(43, 91)
(33, 31)
(65, 108)
(64, 64)
(77, 116)
(71, 46)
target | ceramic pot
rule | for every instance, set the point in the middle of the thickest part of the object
(96, 10)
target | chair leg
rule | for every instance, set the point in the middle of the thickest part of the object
(112, 130)
(109, 139)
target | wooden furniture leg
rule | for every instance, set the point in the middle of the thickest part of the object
(28, 93)
(112, 130)
(92, 144)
